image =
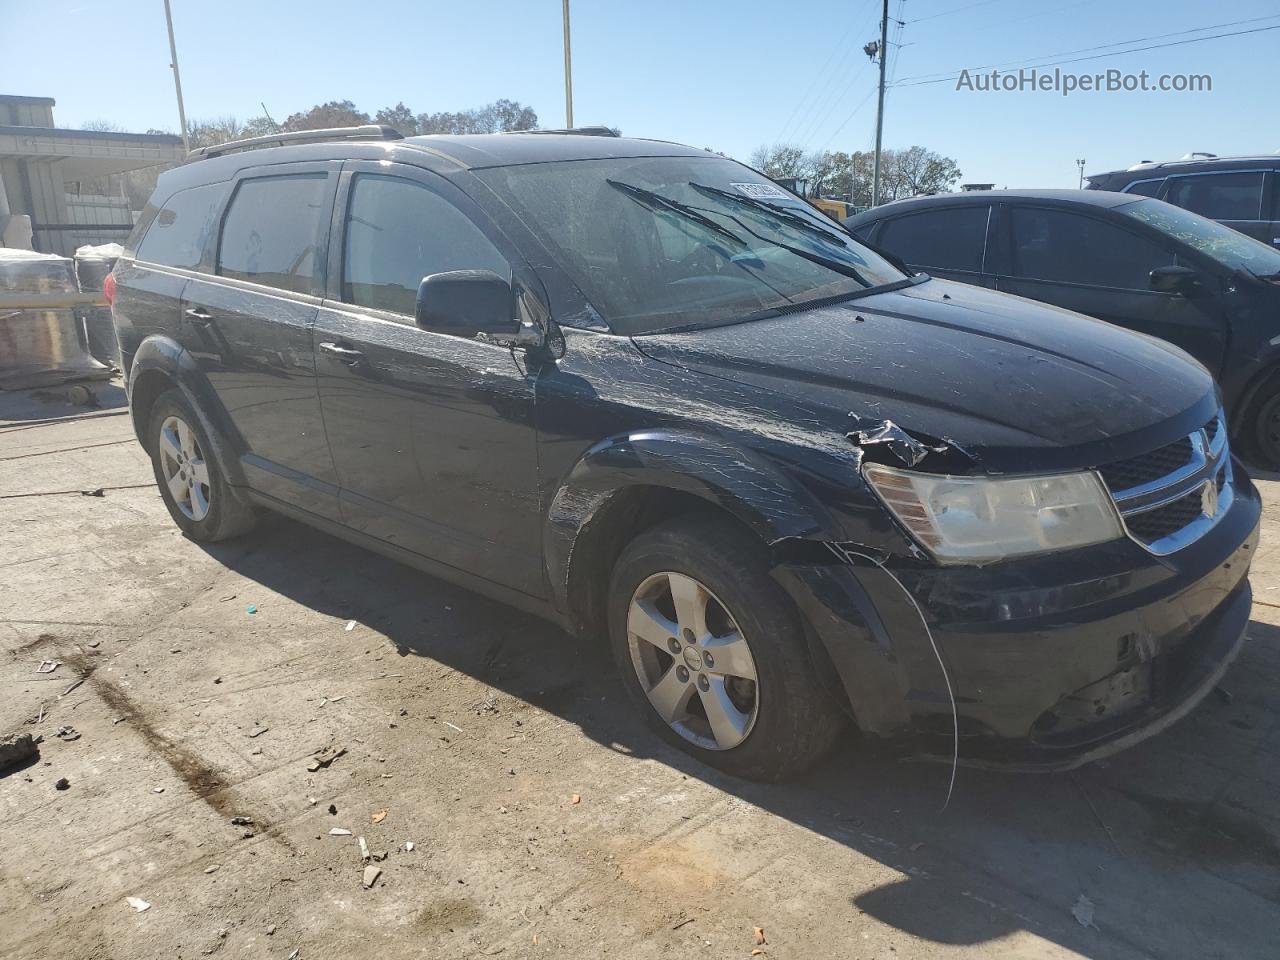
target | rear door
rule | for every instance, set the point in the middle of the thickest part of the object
(947, 242)
(432, 434)
(249, 328)
(1082, 262)
(1233, 198)
(172, 249)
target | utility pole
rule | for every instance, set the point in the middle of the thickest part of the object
(882, 49)
(177, 78)
(568, 70)
(1080, 164)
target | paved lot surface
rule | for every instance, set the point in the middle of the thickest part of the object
(545, 821)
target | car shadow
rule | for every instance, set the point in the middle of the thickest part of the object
(65, 401)
(1082, 859)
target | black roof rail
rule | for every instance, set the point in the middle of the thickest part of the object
(369, 131)
(574, 131)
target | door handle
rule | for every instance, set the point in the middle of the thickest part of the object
(198, 315)
(348, 355)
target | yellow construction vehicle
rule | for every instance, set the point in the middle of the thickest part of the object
(837, 210)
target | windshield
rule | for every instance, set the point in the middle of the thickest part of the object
(656, 243)
(1227, 246)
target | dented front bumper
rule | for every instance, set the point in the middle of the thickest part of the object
(1053, 661)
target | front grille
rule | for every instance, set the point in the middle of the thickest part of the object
(1152, 525)
(1134, 472)
(1177, 473)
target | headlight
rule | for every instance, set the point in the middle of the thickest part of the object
(976, 519)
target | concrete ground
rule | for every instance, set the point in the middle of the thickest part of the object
(544, 820)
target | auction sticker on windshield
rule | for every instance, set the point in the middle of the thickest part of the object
(761, 191)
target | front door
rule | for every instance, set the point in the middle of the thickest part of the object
(249, 328)
(1092, 266)
(432, 434)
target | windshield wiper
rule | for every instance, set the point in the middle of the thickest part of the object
(656, 201)
(778, 213)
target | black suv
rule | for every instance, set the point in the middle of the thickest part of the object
(1242, 192)
(639, 389)
(1129, 260)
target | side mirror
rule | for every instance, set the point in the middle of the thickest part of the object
(467, 303)
(1173, 279)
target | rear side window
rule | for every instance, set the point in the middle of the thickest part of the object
(398, 232)
(271, 231)
(1062, 246)
(1145, 188)
(1219, 196)
(179, 232)
(943, 239)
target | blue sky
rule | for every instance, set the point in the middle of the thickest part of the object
(718, 73)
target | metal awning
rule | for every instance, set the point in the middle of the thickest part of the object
(89, 153)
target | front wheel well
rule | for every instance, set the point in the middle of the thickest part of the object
(143, 394)
(622, 518)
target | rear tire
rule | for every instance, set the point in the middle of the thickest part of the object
(713, 652)
(192, 479)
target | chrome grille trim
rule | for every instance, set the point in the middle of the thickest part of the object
(1209, 465)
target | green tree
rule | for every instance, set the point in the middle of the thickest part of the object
(399, 118)
(335, 113)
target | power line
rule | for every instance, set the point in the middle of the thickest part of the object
(947, 13)
(828, 95)
(804, 102)
(927, 78)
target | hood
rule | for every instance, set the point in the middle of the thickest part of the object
(1020, 384)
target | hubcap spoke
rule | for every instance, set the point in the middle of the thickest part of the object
(670, 696)
(690, 600)
(185, 439)
(170, 444)
(730, 656)
(200, 470)
(178, 487)
(728, 723)
(199, 503)
(646, 622)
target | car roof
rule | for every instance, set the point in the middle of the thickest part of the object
(475, 151)
(1093, 198)
(445, 154)
(1150, 169)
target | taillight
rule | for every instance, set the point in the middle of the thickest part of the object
(109, 288)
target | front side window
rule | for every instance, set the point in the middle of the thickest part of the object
(656, 243)
(1229, 247)
(398, 232)
(943, 239)
(1218, 196)
(271, 231)
(180, 230)
(1066, 247)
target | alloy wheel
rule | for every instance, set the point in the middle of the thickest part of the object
(692, 661)
(185, 471)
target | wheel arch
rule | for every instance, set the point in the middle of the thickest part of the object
(624, 485)
(162, 364)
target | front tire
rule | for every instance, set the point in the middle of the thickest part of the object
(713, 652)
(1264, 420)
(192, 481)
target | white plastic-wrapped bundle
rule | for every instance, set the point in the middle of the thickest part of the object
(44, 346)
(93, 263)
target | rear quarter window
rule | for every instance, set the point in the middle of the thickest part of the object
(181, 228)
